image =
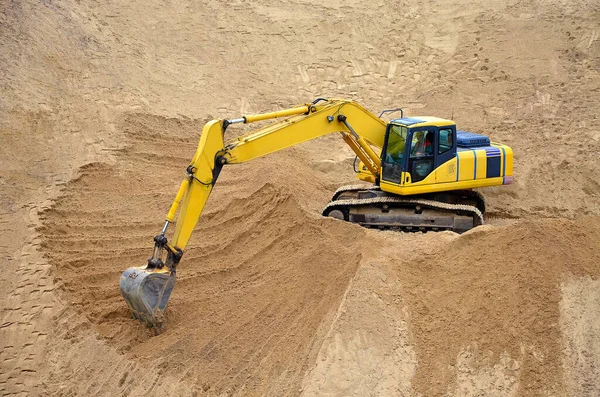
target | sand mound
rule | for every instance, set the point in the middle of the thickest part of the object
(250, 300)
(452, 315)
(494, 295)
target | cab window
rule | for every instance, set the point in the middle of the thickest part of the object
(445, 139)
(396, 143)
(422, 144)
(394, 153)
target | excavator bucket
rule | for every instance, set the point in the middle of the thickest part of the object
(147, 292)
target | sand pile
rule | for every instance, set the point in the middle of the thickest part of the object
(250, 301)
(496, 312)
(493, 296)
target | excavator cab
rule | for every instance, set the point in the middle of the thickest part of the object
(414, 148)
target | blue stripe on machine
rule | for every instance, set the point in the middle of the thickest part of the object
(475, 164)
(503, 163)
(492, 152)
(493, 159)
(457, 166)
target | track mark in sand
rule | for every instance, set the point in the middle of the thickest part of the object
(356, 69)
(392, 69)
(580, 310)
(543, 98)
(26, 314)
(593, 38)
(250, 297)
(244, 106)
(366, 350)
(474, 379)
(303, 74)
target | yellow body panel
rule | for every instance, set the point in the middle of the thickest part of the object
(446, 172)
(509, 158)
(466, 165)
(482, 164)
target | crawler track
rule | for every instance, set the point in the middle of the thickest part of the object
(371, 207)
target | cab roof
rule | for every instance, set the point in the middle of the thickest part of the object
(423, 121)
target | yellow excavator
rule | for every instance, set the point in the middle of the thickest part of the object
(421, 171)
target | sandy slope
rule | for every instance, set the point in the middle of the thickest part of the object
(101, 109)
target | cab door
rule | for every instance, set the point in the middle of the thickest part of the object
(393, 154)
(422, 153)
(446, 145)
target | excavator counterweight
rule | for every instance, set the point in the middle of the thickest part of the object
(421, 171)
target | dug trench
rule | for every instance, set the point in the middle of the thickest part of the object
(273, 299)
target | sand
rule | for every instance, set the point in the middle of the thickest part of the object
(101, 108)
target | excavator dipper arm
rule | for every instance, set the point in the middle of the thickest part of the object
(147, 289)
